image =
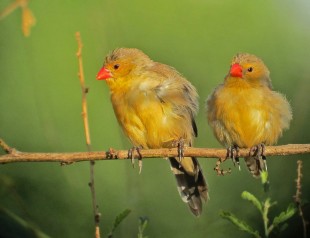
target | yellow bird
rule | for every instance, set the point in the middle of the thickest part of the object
(245, 112)
(155, 107)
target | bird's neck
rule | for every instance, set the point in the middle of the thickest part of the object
(236, 82)
(243, 83)
(120, 85)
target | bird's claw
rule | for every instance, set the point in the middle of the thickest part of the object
(180, 147)
(132, 157)
(265, 162)
(65, 163)
(233, 153)
(258, 151)
(220, 171)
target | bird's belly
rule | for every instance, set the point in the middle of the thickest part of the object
(251, 129)
(246, 122)
(149, 123)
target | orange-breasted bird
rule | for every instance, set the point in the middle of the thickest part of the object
(155, 106)
(245, 112)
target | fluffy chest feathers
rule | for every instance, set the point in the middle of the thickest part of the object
(146, 118)
(245, 116)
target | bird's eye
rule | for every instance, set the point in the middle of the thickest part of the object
(116, 66)
(250, 69)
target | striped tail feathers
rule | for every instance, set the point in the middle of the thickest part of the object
(192, 188)
(255, 165)
(256, 161)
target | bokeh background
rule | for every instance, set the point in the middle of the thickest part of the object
(40, 111)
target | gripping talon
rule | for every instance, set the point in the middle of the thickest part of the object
(258, 151)
(139, 159)
(140, 165)
(132, 158)
(233, 153)
(265, 161)
(180, 149)
(237, 157)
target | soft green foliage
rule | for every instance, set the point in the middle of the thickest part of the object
(250, 197)
(242, 225)
(283, 217)
(143, 222)
(264, 176)
(14, 226)
(264, 208)
(120, 217)
(264, 180)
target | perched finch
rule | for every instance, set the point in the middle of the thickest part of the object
(155, 107)
(244, 111)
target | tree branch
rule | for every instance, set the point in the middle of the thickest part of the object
(28, 19)
(14, 156)
(87, 135)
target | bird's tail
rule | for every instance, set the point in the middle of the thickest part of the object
(255, 165)
(192, 187)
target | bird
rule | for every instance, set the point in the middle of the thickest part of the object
(245, 112)
(155, 107)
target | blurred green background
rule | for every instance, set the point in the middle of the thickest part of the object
(40, 102)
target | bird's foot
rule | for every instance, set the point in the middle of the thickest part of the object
(132, 157)
(180, 145)
(258, 151)
(233, 153)
(65, 163)
(218, 169)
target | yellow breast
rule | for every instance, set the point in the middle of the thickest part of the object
(247, 116)
(146, 120)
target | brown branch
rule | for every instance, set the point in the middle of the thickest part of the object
(6, 147)
(290, 149)
(87, 135)
(28, 19)
(84, 90)
(12, 7)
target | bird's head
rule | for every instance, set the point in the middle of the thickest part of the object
(250, 68)
(121, 62)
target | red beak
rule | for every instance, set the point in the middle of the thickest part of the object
(236, 71)
(104, 74)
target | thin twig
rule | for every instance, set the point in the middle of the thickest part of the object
(84, 90)
(111, 154)
(87, 135)
(28, 19)
(13, 6)
(297, 197)
(7, 149)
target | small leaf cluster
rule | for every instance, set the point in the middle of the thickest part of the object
(278, 223)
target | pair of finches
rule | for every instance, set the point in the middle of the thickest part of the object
(156, 106)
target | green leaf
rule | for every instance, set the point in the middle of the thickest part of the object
(264, 176)
(264, 180)
(120, 218)
(143, 221)
(285, 215)
(268, 204)
(242, 225)
(248, 196)
(14, 226)
(283, 227)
